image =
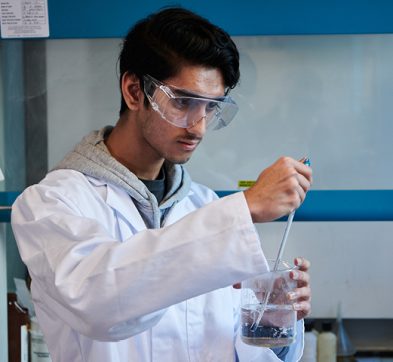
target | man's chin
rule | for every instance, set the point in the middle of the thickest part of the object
(179, 160)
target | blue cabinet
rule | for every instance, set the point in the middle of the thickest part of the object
(103, 19)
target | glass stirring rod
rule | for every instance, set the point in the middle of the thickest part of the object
(262, 308)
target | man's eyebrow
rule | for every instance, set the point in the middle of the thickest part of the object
(186, 93)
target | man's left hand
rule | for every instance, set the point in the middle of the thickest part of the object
(301, 296)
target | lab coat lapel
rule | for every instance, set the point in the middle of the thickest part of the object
(179, 210)
(124, 206)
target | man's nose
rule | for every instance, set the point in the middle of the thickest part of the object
(198, 128)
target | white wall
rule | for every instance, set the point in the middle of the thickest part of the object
(82, 91)
(327, 97)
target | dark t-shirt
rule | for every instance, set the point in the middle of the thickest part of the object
(157, 186)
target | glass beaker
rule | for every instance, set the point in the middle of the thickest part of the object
(268, 294)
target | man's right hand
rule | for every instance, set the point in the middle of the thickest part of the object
(279, 189)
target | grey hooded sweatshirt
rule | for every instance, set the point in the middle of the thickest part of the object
(92, 158)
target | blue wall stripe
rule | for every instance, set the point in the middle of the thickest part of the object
(6, 200)
(103, 19)
(343, 205)
(320, 205)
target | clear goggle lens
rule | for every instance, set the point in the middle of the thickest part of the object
(184, 109)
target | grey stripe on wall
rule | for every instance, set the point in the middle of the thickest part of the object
(35, 108)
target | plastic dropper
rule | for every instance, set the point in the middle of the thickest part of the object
(262, 308)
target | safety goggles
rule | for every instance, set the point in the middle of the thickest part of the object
(184, 109)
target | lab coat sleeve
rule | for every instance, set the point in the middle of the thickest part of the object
(110, 290)
(296, 350)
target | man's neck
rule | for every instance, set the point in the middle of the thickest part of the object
(124, 145)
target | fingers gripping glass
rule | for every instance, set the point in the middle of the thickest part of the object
(184, 109)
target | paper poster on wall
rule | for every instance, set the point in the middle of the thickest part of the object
(24, 19)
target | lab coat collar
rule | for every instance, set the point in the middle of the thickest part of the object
(125, 205)
(120, 201)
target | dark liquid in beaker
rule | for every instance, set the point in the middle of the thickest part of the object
(266, 334)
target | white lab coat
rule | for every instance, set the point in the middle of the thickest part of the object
(107, 289)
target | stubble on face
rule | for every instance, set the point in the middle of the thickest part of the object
(165, 141)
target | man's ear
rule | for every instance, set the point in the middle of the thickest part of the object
(131, 90)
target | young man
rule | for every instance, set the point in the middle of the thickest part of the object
(132, 261)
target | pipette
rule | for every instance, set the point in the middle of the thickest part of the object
(262, 308)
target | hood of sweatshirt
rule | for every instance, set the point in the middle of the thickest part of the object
(92, 158)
